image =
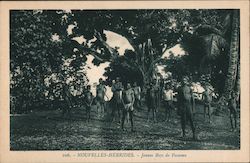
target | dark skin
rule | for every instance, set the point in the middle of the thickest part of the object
(168, 105)
(117, 104)
(100, 93)
(152, 101)
(137, 91)
(185, 106)
(128, 99)
(67, 98)
(88, 102)
(207, 99)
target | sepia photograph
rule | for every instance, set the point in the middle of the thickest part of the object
(141, 79)
(124, 81)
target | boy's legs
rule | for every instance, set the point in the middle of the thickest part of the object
(167, 111)
(209, 112)
(97, 100)
(131, 119)
(205, 111)
(233, 115)
(183, 123)
(88, 113)
(98, 107)
(154, 114)
(149, 108)
(231, 120)
(101, 107)
(191, 120)
(124, 113)
(235, 119)
(113, 109)
(170, 108)
(154, 107)
(118, 110)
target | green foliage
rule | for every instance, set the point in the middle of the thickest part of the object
(39, 47)
(208, 46)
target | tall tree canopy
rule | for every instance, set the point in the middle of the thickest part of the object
(37, 52)
(46, 43)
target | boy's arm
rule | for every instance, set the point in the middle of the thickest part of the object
(202, 96)
(172, 95)
(122, 100)
(133, 96)
(112, 88)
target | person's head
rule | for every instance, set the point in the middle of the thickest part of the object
(185, 80)
(117, 79)
(100, 81)
(128, 86)
(113, 81)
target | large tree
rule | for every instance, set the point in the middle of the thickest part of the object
(37, 52)
(233, 75)
(150, 33)
(215, 47)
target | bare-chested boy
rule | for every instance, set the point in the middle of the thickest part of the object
(67, 98)
(137, 91)
(100, 93)
(117, 89)
(88, 100)
(128, 99)
(232, 104)
(168, 102)
(152, 100)
(207, 99)
(185, 106)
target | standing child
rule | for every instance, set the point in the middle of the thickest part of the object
(185, 107)
(151, 99)
(137, 91)
(100, 94)
(128, 99)
(168, 102)
(207, 99)
(117, 89)
(67, 98)
(88, 100)
(232, 111)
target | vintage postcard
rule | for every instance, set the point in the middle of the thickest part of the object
(124, 81)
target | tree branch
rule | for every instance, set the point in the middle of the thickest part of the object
(111, 50)
(95, 54)
(167, 48)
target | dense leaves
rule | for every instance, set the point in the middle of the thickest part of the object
(39, 44)
(55, 44)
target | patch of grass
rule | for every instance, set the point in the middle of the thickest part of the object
(47, 130)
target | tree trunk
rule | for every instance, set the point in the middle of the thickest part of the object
(233, 55)
(237, 84)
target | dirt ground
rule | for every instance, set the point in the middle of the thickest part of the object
(48, 130)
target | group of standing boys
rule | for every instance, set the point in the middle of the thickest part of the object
(125, 100)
